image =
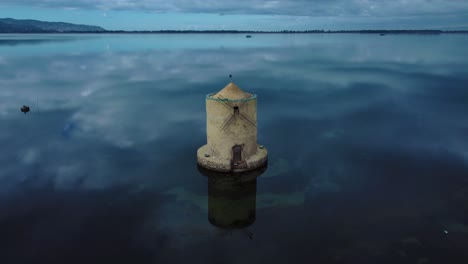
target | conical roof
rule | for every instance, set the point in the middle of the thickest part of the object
(232, 92)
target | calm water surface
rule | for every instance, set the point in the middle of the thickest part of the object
(368, 141)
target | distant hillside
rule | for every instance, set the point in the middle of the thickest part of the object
(9, 25)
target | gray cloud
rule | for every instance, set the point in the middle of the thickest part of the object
(373, 8)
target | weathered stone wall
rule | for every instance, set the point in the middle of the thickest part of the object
(238, 132)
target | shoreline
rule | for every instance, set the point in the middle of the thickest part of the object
(381, 32)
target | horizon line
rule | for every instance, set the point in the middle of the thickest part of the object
(310, 31)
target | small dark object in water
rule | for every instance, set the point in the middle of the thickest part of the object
(25, 109)
(248, 36)
(382, 34)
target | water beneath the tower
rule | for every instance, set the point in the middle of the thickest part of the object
(367, 140)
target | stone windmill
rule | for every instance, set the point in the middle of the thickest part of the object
(231, 132)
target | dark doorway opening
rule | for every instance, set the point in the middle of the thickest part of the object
(236, 154)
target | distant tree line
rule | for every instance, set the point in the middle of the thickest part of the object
(426, 31)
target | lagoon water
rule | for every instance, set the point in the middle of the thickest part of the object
(368, 142)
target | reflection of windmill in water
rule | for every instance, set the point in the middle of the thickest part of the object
(232, 200)
(231, 132)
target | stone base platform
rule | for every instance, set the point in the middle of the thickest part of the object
(209, 162)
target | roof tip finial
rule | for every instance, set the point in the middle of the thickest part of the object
(230, 77)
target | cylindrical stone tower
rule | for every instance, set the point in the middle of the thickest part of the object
(232, 197)
(231, 116)
(232, 202)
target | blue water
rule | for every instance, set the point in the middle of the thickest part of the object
(367, 135)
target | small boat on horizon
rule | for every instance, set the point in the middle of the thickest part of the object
(25, 109)
(248, 36)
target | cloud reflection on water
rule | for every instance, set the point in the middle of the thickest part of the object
(349, 117)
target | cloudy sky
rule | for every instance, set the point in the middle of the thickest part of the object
(246, 14)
